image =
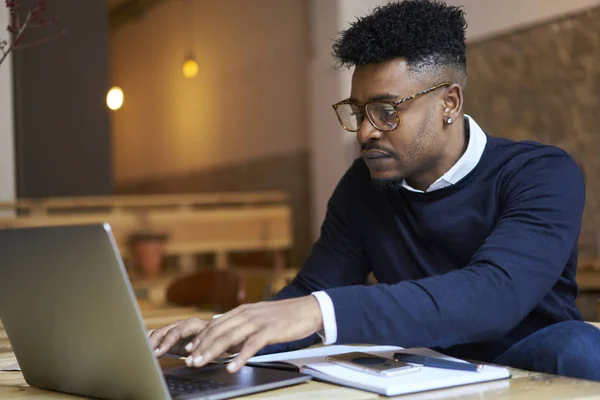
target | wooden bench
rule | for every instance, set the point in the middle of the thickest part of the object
(266, 228)
(217, 231)
(211, 223)
(125, 203)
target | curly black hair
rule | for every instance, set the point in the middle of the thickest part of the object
(426, 33)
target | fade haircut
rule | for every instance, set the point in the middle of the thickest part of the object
(428, 34)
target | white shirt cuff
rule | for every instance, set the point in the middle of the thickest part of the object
(329, 333)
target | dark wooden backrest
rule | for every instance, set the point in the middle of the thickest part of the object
(218, 290)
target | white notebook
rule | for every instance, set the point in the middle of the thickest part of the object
(313, 362)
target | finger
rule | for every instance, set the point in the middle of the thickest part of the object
(217, 342)
(249, 349)
(225, 323)
(182, 331)
(157, 335)
(222, 320)
(217, 339)
(172, 340)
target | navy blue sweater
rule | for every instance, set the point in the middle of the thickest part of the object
(468, 270)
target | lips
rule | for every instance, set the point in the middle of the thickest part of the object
(378, 160)
(375, 154)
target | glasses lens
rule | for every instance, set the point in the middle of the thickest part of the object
(350, 115)
(384, 116)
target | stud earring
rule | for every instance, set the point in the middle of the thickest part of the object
(449, 121)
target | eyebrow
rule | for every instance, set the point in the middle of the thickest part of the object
(380, 97)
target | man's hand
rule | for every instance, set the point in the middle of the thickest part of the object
(174, 337)
(249, 327)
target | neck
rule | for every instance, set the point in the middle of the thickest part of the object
(454, 148)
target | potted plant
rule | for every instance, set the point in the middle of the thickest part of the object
(148, 248)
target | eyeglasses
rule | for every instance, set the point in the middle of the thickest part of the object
(382, 114)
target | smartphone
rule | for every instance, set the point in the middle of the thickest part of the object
(372, 364)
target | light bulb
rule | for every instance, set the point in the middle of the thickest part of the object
(114, 98)
(190, 68)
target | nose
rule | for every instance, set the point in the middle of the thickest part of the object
(367, 132)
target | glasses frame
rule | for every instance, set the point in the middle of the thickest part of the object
(395, 103)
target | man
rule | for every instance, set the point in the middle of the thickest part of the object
(472, 238)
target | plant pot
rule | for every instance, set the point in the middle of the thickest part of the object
(148, 251)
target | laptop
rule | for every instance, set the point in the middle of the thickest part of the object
(75, 327)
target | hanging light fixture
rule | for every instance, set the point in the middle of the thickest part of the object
(114, 98)
(190, 65)
(190, 68)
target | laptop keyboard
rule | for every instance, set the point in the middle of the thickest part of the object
(184, 386)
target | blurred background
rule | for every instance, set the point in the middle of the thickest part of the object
(206, 125)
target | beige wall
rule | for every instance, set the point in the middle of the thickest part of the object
(265, 53)
(332, 149)
(248, 101)
(7, 159)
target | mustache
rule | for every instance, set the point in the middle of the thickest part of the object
(374, 146)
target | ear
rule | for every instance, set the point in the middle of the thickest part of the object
(452, 102)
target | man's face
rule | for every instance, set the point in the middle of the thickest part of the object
(417, 143)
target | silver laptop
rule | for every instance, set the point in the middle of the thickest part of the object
(75, 327)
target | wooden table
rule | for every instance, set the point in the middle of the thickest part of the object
(523, 385)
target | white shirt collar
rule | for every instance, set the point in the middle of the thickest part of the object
(465, 164)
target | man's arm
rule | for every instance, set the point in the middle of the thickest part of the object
(517, 265)
(337, 259)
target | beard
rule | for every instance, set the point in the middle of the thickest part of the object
(388, 184)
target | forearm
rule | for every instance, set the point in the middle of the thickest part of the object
(313, 279)
(337, 259)
(328, 333)
(464, 306)
(302, 343)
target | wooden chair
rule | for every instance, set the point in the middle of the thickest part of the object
(218, 290)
